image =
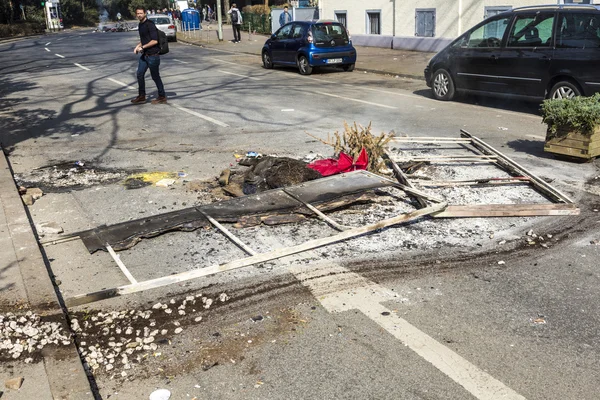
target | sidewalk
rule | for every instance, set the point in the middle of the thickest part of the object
(54, 372)
(404, 63)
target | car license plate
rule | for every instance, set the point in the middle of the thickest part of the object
(334, 61)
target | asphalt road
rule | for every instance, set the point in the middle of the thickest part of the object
(466, 328)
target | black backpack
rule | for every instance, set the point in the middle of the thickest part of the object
(234, 17)
(163, 42)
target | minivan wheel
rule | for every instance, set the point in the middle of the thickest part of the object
(442, 85)
(348, 67)
(564, 90)
(267, 62)
(304, 66)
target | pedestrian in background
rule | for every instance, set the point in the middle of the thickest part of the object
(149, 58)
(236, 23)
(204, 13)
(208, 13)
(285, 17)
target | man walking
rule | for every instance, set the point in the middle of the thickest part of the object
(236, 22)
(149, 58)
(284, 17)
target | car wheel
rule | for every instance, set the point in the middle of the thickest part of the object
(564, 90)
(304, 66)
(442, 85)
(267, 62)
(348, 67)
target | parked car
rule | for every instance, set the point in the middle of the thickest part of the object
(165, 24)
(310, 44)
(539, 51)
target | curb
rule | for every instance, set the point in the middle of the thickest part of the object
(66, 377)
(369, 70)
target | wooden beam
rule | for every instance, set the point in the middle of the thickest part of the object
(507, 210)
(120, 264)
(227, 233)
(517, 169)
(403, 179)
(244, 262)
(319, 214)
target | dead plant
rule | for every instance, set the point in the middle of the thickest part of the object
(352, 140)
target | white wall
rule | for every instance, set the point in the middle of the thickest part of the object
(452, 16)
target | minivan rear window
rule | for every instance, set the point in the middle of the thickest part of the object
(532, 30)
(578, 31)
(325, 33)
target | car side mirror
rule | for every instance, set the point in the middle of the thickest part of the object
(273, 37)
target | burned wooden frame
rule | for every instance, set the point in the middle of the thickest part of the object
(314, 197)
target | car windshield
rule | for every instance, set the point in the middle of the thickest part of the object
(160, 21)
(325, 32)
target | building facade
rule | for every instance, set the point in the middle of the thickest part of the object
(426, 25)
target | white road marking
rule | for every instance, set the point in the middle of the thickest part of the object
(121, 83)
(47, 43)
(357, 100)
(366, 297)
(179, 61)
(339, 289)
(241, 76)
(58, 55)
(207, 118)
(82, 67)
(287, 110)
(226, 62)
(47, 49)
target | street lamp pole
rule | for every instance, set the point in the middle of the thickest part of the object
(219, 21)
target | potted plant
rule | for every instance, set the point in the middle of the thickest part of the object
(573, 126)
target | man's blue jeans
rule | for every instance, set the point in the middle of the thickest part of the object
(152, 62)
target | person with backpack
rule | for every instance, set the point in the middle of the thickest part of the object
(236, 23)
(149, 50)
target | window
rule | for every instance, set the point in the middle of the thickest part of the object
(340, 16)
(284, 32)
(491, 11)
(297, 31)
(425, 22)
(532, 30)
(487, 35)
(373, 22)
(578, 31)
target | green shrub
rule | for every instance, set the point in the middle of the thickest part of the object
(579, 114)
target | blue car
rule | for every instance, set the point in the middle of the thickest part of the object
(310, 44)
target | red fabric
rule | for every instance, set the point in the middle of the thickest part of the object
(331, 166)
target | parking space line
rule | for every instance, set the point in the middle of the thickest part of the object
(179, 61)
(121, 83)
(226, 62)
(357, 100)
(47, 49)
(204, 117)
(47, 43)
(241, 76)
(82, 67)
(366, 297)
(58, 55)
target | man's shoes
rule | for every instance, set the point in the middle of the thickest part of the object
(159, 100)
(139, 100)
